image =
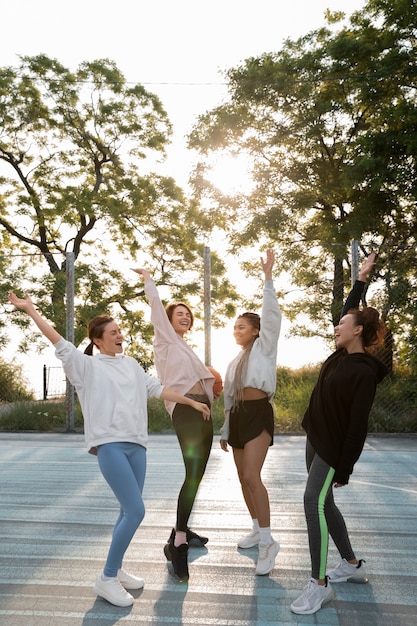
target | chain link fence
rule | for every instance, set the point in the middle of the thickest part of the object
(38, 397)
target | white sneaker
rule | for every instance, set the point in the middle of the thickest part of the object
(250, 540)
(348, 572)
(128, 581)
(312, 598)
(266, 559)
(112, 591)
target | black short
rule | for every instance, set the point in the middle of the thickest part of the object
(248, 420)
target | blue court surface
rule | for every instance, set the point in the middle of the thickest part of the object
(57, 513)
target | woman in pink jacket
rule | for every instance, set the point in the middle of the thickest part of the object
(180, 368)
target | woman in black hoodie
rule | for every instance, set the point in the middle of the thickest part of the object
(336, 423)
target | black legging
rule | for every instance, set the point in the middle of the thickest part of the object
(322, 514)
(195, 436)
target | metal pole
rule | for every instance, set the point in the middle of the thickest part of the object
(69, 265)
(207, 303)
(45, 384)
(354, 270)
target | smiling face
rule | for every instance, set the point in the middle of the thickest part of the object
(347, 334)
(181, 319)
(110, 343)
(244, 332)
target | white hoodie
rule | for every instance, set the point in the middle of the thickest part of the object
(113, 393)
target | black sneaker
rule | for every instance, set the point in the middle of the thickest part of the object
(167, 552)
(172, 536)
(168, 544)
(179, 558)
(194, 540)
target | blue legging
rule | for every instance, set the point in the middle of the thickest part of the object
(123, 466)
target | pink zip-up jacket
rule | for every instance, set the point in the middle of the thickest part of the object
(177, 364)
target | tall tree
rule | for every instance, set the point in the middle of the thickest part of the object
(77, 154)
(327, 124)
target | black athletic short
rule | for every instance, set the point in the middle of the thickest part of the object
(248, 420)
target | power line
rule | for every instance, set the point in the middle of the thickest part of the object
(377, 75)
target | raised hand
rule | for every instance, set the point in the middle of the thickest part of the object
(367, 266)
(268, 264)
(142, 272)
(24, 303)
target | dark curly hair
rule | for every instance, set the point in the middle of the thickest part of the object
(373, 326)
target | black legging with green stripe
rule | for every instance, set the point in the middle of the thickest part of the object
(322, 515)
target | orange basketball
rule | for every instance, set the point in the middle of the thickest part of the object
(218, 383)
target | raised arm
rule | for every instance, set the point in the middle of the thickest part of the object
(366, 267)
(164, 332)
(26, 304)
(354, 297)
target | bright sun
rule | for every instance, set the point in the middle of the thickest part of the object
(231, 174)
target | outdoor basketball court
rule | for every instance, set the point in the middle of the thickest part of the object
(56, 517)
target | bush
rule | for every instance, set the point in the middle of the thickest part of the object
(50, 415)
(292, 396)
(13, 385)
(395, 406)
(160, 421)
(42, 416)
(394, 409)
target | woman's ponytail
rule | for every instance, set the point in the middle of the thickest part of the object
(89, 349)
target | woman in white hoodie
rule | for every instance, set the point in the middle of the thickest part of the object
(249, 387)
(113, 390)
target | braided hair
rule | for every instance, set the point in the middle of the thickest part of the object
(242, 366)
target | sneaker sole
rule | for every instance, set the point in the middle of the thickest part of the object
(347, 579)
(132, 586)
(196, 543)
(316, 608)
(247, 546)
(100, 594)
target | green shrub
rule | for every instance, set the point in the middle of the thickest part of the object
(13, 385)
(42, 416)
(394, 409)
(292, 396)
(395, 406)
(160, 421)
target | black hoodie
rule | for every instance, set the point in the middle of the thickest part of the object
(336, 421)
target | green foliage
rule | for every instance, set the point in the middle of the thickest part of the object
(394, 409)
(328, 125)
(44, 416)
(13, 386)
(160, 422)
(77, 149)
(395, 406)
(292, 396)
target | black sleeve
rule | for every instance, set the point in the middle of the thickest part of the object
(363, 393)
(354, 298)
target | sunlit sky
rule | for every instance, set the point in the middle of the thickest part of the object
(177, 50)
